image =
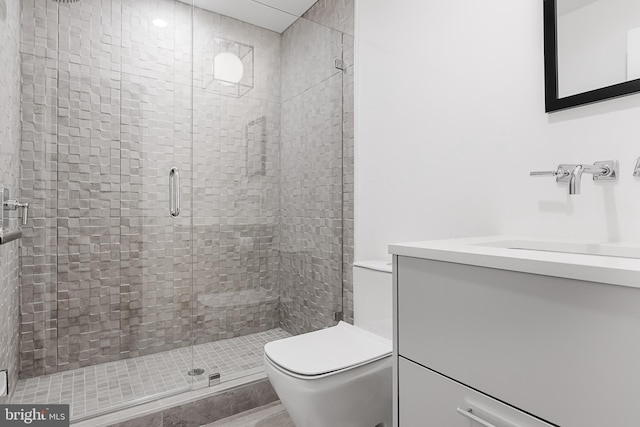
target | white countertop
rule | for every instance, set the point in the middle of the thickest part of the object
(611, 263)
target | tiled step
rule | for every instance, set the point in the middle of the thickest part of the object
(271, 415)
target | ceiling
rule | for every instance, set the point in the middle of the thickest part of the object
(566, 6)
(274, 15)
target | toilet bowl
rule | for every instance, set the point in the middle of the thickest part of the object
(340, 376)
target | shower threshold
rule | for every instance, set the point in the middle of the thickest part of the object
(110, 387)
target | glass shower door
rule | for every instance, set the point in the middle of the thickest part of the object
(267, 206)
(156, 181)
(236, 194)
(124, 276)
(312, 153)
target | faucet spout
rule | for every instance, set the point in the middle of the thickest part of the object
(575, 179)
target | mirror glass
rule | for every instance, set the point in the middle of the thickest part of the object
(598, 44)
(591, 51)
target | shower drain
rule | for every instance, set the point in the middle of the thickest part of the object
(196, 371)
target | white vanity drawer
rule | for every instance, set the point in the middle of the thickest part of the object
(431, 400)
(565, 350)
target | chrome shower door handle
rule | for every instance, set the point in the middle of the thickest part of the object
(174, 192)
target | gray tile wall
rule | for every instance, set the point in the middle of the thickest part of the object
(317, 168)
(9, 177)
(107, 272)
(38, 257)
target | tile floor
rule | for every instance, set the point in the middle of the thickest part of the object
(106, 387)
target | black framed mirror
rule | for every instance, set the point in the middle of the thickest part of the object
(591, 51)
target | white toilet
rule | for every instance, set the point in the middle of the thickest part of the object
(341, 376)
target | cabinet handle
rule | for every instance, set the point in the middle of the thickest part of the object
(469, 414)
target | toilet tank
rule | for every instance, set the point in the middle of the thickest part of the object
(372, 297)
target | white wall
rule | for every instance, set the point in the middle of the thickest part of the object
(450, 120)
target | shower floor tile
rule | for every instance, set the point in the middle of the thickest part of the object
(101, 388)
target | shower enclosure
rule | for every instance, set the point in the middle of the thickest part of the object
(190, 184)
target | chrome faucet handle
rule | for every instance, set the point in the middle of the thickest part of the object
(563, 174)
(604, 171)
(558, 173)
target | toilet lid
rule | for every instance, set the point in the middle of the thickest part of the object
(327, 350)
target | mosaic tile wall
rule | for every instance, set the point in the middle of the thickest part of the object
(107, 272)
(317, 168)
(9, 177)
(38, 180)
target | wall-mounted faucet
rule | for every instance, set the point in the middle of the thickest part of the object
(572, 173)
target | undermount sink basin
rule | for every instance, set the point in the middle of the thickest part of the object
(603, 262)
(621, 250)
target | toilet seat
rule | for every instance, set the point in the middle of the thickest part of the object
(327, 352)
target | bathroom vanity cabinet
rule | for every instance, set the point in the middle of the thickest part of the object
(513, 348)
